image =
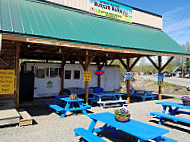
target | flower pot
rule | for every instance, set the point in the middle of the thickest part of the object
(186, 103)
(122, 118)
(72, 97)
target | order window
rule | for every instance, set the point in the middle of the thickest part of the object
(67, 74)
(76, 74)
(54, 72)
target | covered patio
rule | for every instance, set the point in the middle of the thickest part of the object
(32, 31)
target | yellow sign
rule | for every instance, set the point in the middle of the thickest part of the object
(86, 76)
(7, 81)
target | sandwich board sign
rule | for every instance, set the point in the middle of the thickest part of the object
(128, 75)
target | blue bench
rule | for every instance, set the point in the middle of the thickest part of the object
(57, 108)
(87, 135)
(168, 116)
(166, 139)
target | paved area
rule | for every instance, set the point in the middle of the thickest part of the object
(174, 80)
(49, 127)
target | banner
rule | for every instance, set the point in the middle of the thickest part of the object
(86, 76)
(7, 81)
(128, 75)
(110, 9)
(160, 78)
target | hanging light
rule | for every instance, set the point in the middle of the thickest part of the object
(60, 50)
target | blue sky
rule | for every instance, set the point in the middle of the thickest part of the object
(176, 15)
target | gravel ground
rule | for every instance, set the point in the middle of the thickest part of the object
(49, 127)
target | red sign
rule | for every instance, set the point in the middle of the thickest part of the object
(100, 72)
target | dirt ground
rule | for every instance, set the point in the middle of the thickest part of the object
(167, 88)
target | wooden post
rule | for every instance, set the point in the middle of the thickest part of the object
(99, 79)
(62, 73)
(159, 67)
(86, 82)
(17, 73)
(128, 81)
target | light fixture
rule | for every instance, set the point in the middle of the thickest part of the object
(28, 46)
(59, 50)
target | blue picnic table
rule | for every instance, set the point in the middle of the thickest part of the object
(174, 109)
(142, 94)
(107, 98)
(138, 129)
(71, 105)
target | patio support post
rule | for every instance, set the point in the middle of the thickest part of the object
(99, 68)
(85, 66)
(129, 68)
(160, 67)
(86, 82)
(17, 73)
(128, 81)
(64, 59)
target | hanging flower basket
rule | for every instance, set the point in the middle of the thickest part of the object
(122, 115)
(185, 100)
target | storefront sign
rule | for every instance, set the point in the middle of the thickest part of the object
(111, 9)
(160, 78)
(128, 75)
(7, 81)
(86, 76)
(100, 72)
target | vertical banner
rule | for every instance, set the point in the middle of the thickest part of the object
(128, 75)
(86, 76)
(111, 9)
(7, 81)
(160, 78)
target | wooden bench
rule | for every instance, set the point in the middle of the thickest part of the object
(26, 118)
(168, 116)
(87, 135)
(57, 108)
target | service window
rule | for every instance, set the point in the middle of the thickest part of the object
(67, 74)
(40, 72)
(54, 72)
(76, 74)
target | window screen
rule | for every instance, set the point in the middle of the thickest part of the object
(76, 74)
(40, 72)
(54, 72)
(67, 74)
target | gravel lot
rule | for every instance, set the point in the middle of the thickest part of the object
(49, 127)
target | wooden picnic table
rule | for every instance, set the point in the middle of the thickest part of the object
(138, 129)
(173, 111)
(107, 98)
(142, 93)
(71, 105)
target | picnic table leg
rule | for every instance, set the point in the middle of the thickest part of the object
(65, 111)
(92, 101)
(173, 111)
(84, 111)
(114, 131)
(92, 125)
(152, 95)
(140, 140)
(163, 111)
(144, 96)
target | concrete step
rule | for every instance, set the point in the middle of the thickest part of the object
(26, 119)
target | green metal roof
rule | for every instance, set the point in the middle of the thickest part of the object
(57, 23)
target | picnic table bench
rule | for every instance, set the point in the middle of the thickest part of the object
(142, 94)
(138, 129)
(172, 112)
(107, 98)
(70, 106)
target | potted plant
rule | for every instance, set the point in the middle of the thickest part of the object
(122, 115)
(73, 96)
(186, 100)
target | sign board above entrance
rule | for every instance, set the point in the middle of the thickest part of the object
(111, 9)
(7, 81)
